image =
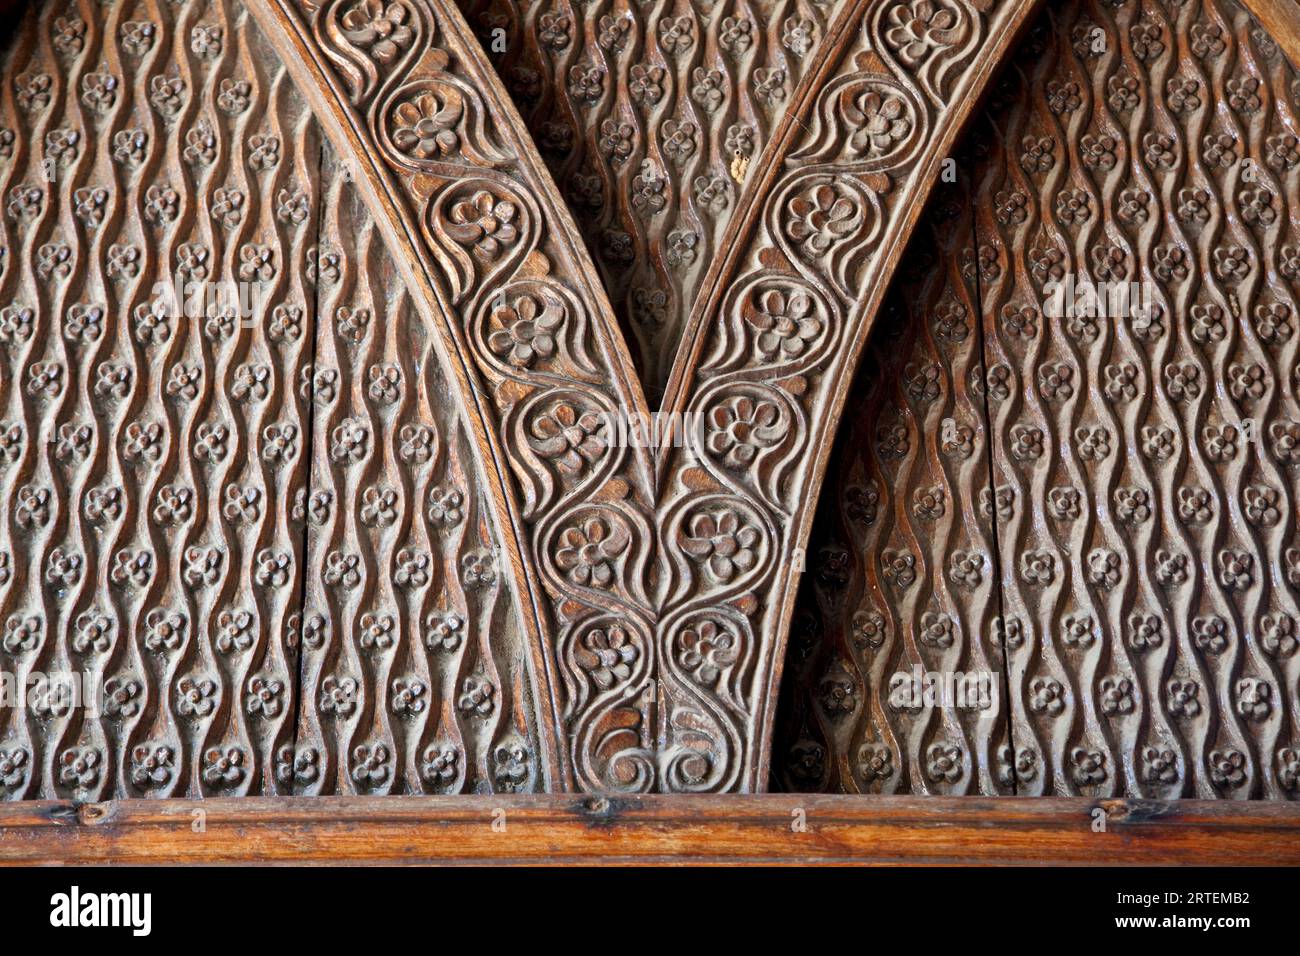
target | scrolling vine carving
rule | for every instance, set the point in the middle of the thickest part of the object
(773, 341)
(650, 115)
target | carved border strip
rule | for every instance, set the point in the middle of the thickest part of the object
(840, 187)
(477, 228)
(557, 829)
(648, 112)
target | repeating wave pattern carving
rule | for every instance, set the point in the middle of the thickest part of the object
(1142, 475)
(153, 463)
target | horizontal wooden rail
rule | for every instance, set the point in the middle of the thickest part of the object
(652, 829)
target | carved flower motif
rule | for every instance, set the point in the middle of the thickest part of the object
(484, 222)
(569, 437)
(740, 427)
(443, 631)
(554, 30)
(943, 763)
(1227, 768)
(511, 771)
(807, 762)
(425, 125)
(478, 570)
(819, 218)
(79, 767)
(706, 649)
(378, 27)
(439, 766)
(445, 502)
(1089, 766)
(1182, 698)
(723, 541)
(376, 632)
(264, 696)
(407, 699)
(646, 84)
(476, 697)
(607, 655)
(151, 765)
(1278, 635)
(370, 765)
(1288, 768)
(914, 29)
(785, 322)
(526, 330)
(587, 553)
(338, 696)
(879, 120)
(196, 697)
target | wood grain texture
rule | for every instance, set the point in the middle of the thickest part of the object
(556, 830)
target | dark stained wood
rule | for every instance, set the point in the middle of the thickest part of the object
(633, 605)
(556, 830)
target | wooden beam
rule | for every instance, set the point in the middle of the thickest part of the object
(558, 829)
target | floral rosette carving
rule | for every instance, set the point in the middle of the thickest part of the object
(535, 331)
(479, 229)
(608, 690)
(720, 545)
(367, 41)
(598, 553)
(561, 447)
(776, 323)
(885, 122)
(928, 41)
(438, 121)
(707, 656)
(823, 221)
(751, 436)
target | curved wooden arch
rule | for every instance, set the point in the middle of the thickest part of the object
(479, 234)
(820, 229)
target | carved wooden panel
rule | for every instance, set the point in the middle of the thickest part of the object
(377, 528)
(901, 576)
(770, 352)
(649, 115)
(414, 674)
(152, 452)
(1155, 144)
(1145, 519)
